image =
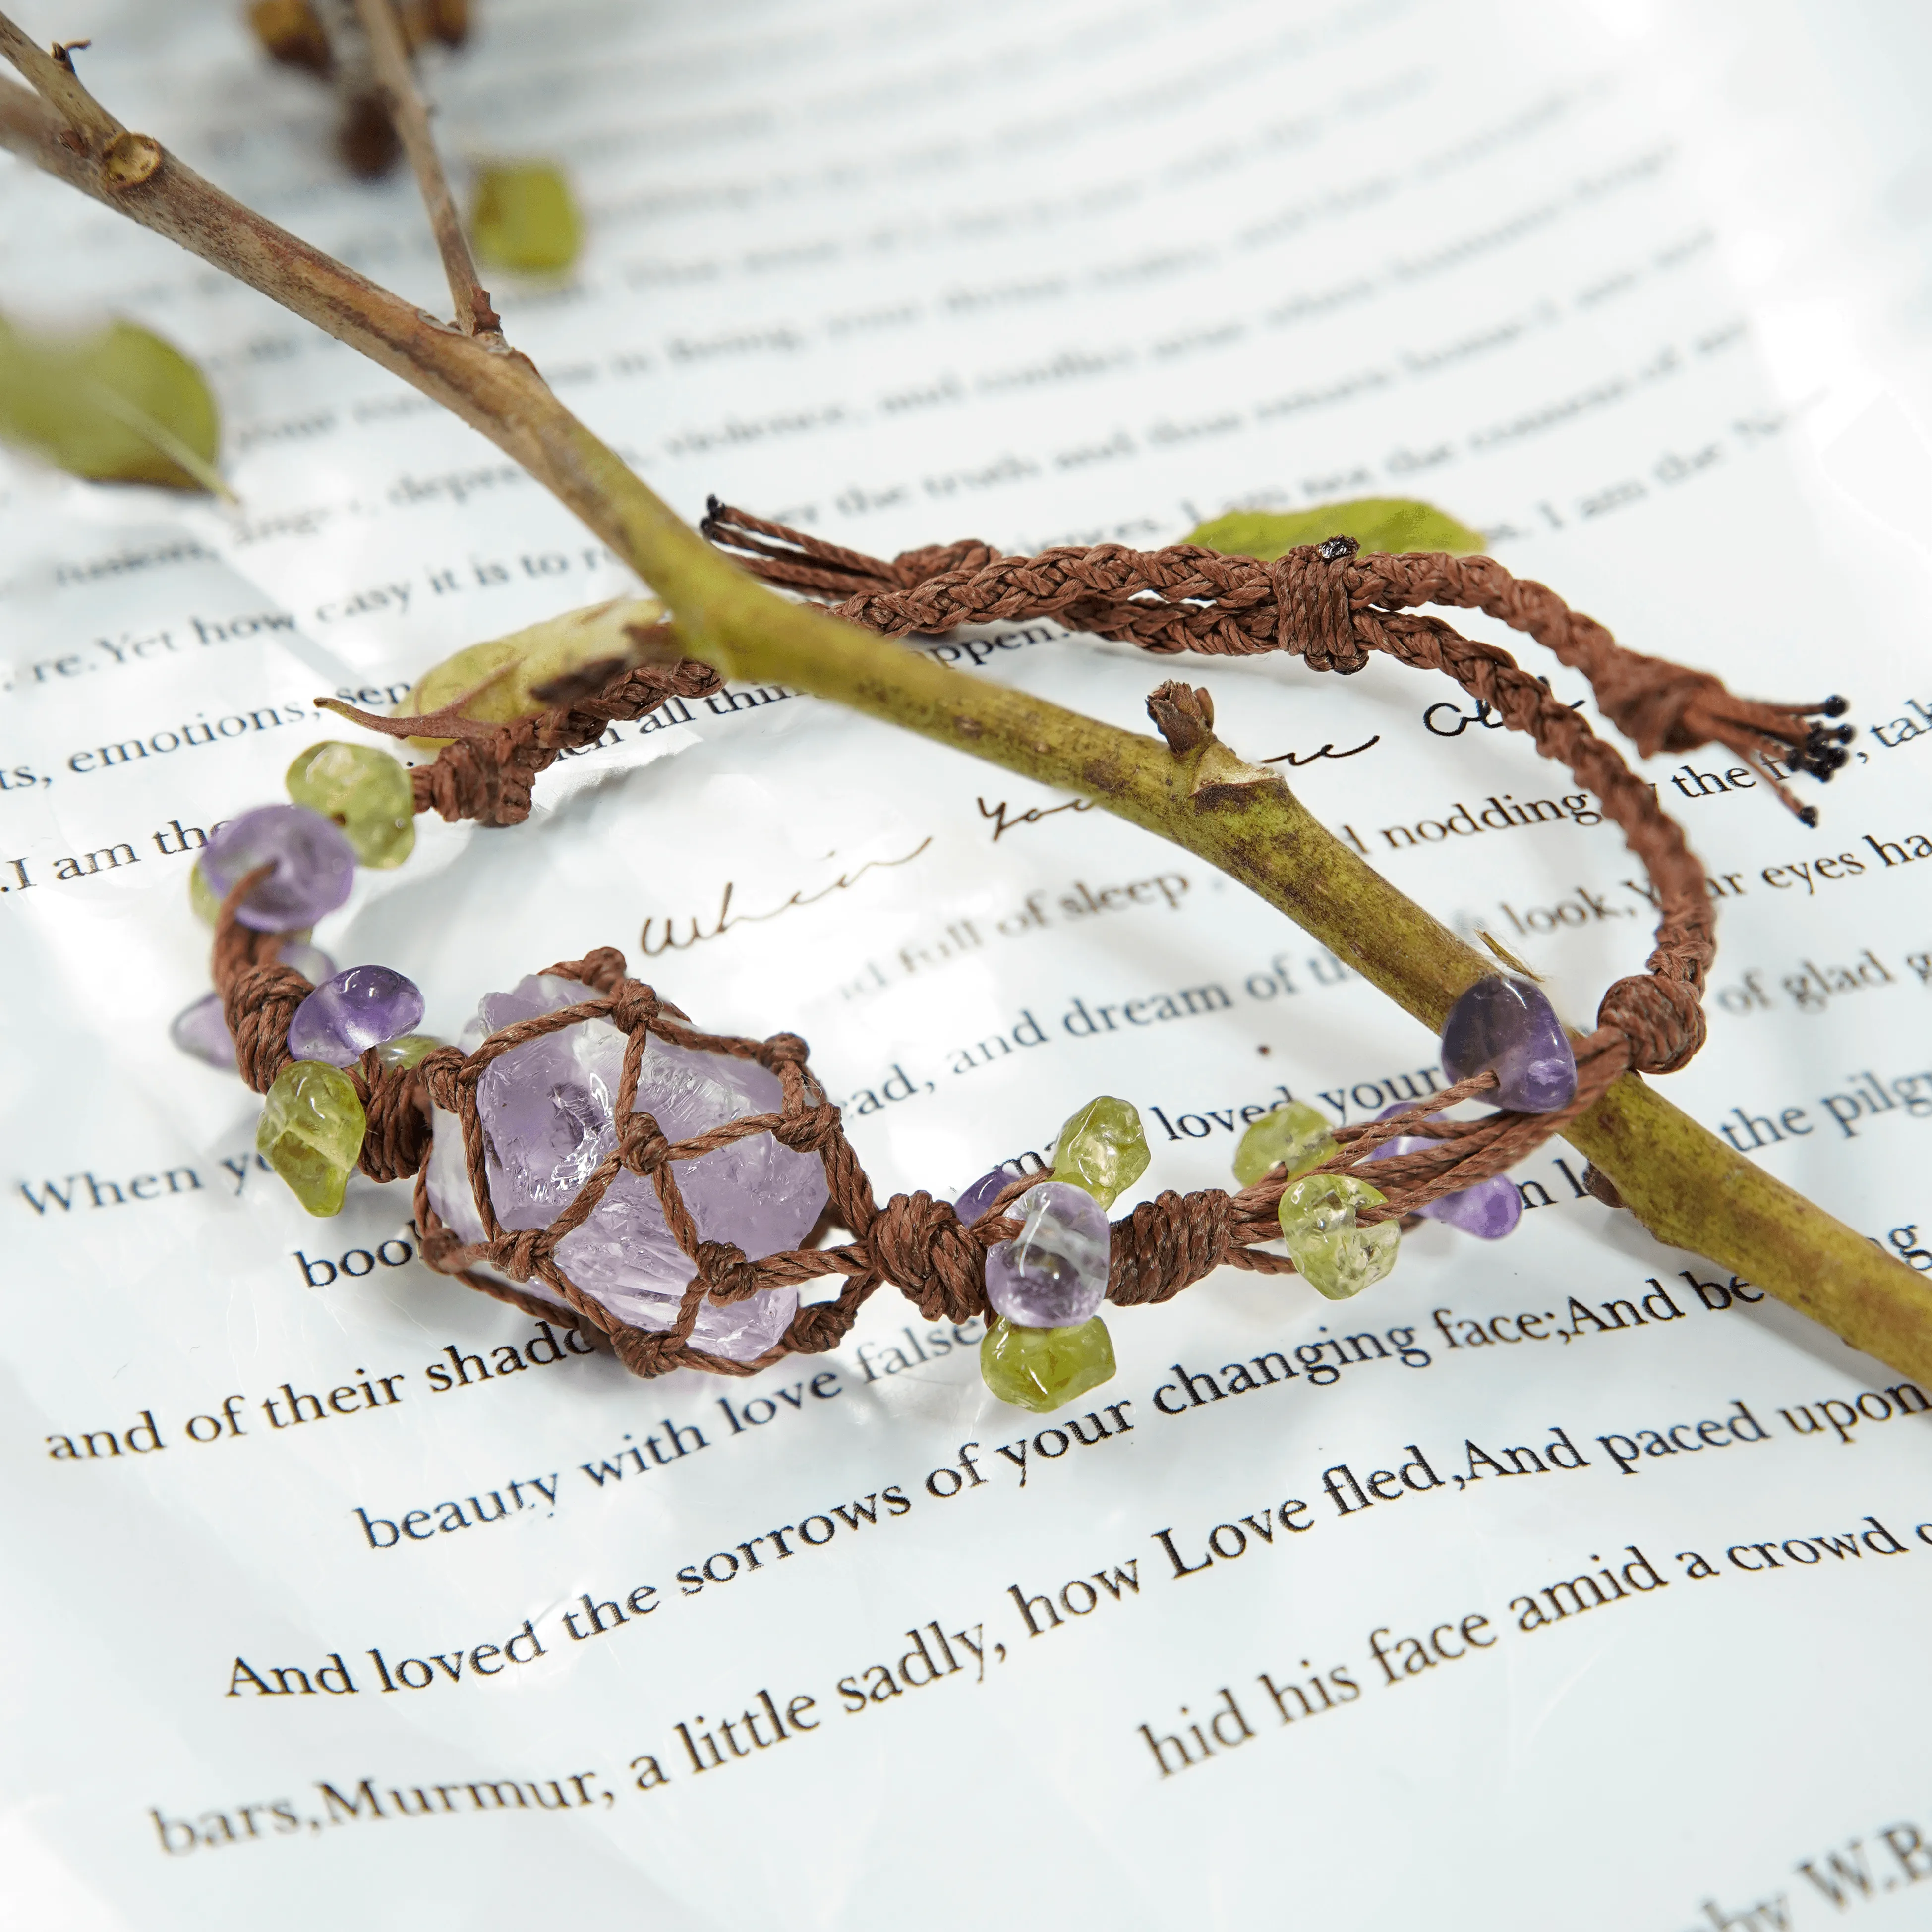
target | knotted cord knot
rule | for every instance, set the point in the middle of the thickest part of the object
(441, 1072)
(1652, 703)
(521, 1253)
(1662, 1019)
(1313, 616)
(634, 1007)
(396, 1139)
(727, 1275)
(641, 1145)
(820, 1326)
(911, 567)
(439, 1246)
(918, 1243)
(782, 1048)
(602, 969)
(259, 1004)
(1167, 1242)
(646, 1352)
(810, 1132)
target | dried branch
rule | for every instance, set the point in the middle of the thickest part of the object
(1683, 1182)
(396, 84)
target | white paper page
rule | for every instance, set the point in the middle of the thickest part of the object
(902, 274)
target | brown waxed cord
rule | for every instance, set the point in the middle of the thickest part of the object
(1327, 604)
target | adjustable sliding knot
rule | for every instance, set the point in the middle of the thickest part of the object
(1655, 704)
(913, 567)
(1312, 607)
(1662, 1019)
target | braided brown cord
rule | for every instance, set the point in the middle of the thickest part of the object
(1325, 603)
(1330, 605)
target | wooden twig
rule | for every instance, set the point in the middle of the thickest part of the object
(1683, 1182)
(395, 82)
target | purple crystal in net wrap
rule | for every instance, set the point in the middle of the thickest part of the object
(547, 1112)
(1054, 1273)
(981, 1195)
(352, 1012)
(201, 1030)
(1509, 1024)
(314, 866)
(1490, 1209)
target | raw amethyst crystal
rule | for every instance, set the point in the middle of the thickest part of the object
(314, 866)
(547, 1112)
(352, 1012)
(201, 1030)
(1509, 1024)
(981, 1195)
(1054, 1275)
(1490, 1209)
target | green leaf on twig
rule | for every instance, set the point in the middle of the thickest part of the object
(118, 405)
(1376, 523)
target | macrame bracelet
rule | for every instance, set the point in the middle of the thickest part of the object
(374, 1095)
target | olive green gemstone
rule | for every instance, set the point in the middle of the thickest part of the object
(202, 896)
(1102, 1149)
(311, 1131)
(524, 218)
(365, 791)
(1293, 1136)
(1337, 1258)
(1043, 1369)
(407, 1049)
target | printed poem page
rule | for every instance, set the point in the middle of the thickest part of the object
(1564, 1580)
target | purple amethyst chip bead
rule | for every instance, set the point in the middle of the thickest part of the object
(981, 1195)
(1054, 1275)
(202, 1030)
(1489, 1210)
(356, 1009)
(1511, 1025)
(314, 866)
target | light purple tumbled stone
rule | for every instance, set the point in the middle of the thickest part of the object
(315, 866)
(200, 1030)
(548, 1111)
(352, 1012)
(1490, 1209)
(310, 961)
(1509, 1024)
(981, 1195)
(1054, 1273)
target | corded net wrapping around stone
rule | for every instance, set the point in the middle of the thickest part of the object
(1327, 604)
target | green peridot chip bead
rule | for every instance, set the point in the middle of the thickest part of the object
(1102, 1149)
(365, 791)
(407, 1049)
(311, 1131)
(1337, 1258)
(524, 218)
(1043, 1369)
(205, 901)
(1293, 1136)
